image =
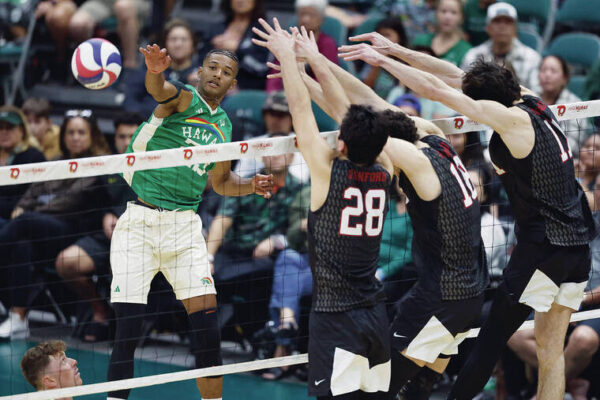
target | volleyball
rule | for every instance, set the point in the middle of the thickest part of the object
(96, 63)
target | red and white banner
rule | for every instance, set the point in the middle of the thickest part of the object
(185, 156)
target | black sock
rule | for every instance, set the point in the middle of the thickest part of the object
(129, 330)
(403, 369)
(504, 319)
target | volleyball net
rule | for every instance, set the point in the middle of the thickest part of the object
(260, 267)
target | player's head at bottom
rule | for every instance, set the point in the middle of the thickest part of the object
(490, 81)
(46, 366)
(362, 135)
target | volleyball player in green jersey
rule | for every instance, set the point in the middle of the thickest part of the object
(161, 230)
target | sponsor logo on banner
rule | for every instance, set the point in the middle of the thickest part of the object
(130, 160)
(578, 108)
(458, 123)
(14, 173)
(243, 147)
(262, 146)
(73, 166)
(561, 110)
(187, 153)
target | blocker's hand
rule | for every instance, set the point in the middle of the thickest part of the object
(157, 59)
(306, 45)
(275, 39)
(362, 52)
(277, 67)
(379, 42)
(262, 185)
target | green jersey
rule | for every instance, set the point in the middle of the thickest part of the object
(178, 187)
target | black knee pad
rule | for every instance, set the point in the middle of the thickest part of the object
(205, 336)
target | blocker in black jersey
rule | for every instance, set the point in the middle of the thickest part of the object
(449, 255)
(348, 320)
(553, 220)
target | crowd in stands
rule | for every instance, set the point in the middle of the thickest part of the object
(65, 227)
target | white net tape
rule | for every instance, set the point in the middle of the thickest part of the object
(186, 156)
(94, 166)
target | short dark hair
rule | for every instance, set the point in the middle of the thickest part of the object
(177, 23)
(37, 106)
(37, 358)
(364, 134)
(395, 24)
(487, 80)
(400, 126)
(227, 53)
(127, 118)
(564, 66)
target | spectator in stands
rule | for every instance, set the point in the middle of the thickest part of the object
(554, 77)
(503, 46)
(180, 41)
(311, 14)
(43, 130)
(235, 34)
(589, 166)
(277, 119)
(46, 366)
(130, 15)
(448, 40)
(475, 15)
(248, 232)
(409, 104)
(57, 16)
(15, 148)
(492, 234)
(418, 15)
(584, 341)
(376, 78)
(49, 217)
(292, 280)
(91, 254)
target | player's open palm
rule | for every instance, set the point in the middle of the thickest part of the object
(274, 38)
(378, 41)
(362, 52)
(157, 59)
(305, 44)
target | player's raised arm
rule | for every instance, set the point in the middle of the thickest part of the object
(444, 70)
(170, 98)
(316, 152)
(508, 122)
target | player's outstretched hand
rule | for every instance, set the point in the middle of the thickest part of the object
(157, 59)
(362, 52)
(378, 41)
(306, 45)
(275, 39)
(262, 185)
(277, 67)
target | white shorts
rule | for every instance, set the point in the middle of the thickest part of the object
(146, 241)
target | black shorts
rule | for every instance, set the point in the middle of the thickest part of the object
(97, 246)
(349, 351)
(427, 326)
(539, 274)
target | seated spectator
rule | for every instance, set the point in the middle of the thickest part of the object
(448, 40)
(418, 15)
(381, 81)
(91, 254)
(409, 104)
(553, 78)
(588, 168)
(475, 15)
(57, 16)
(130, 15)
(14, 18)
(180, 41)
(277, 119)
(292, 280)
(43, 130)
(492, 234)
(46, 366)
(49, 217)
(15, 148)
(310, 14)
(584, 340)
(249, 231)
(504, 47)
(235, 34)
